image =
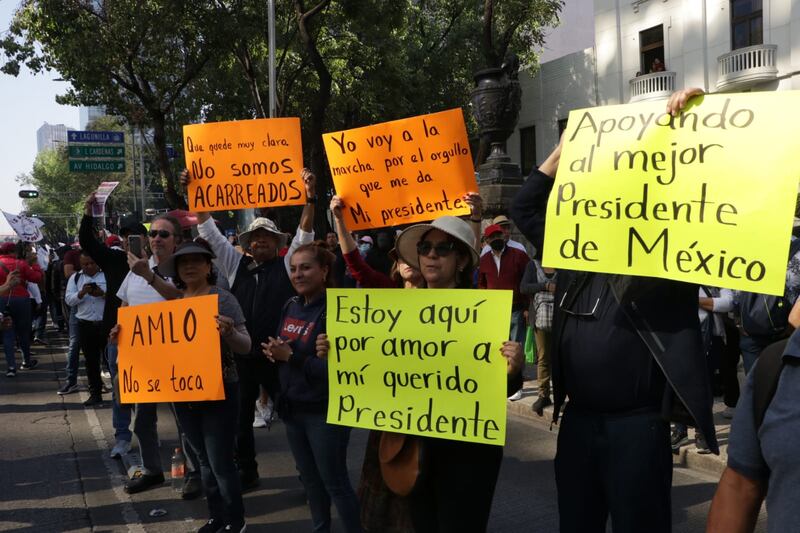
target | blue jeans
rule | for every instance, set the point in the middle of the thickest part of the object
(120, 413)
(210, 428)
(751, 348)
(74, 350)
(518, 329)
(19, 307)
(320, 452)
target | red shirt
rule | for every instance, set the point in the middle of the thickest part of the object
(27, 273)
(512, 268)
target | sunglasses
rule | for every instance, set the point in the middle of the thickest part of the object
(442, 249)
(164, 234)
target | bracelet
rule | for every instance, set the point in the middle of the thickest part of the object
(476, 220)
(152, 279)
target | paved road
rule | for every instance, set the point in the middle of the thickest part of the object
(55, 474)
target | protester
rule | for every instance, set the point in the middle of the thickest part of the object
(52, 284)
(339, 267)
(18, 307)
(505, 226)
(300, 347)
(503, 269)
(86, 293)
(381, 510)
(145, 285)
(114, 263)
(626, 351)
(761, 447)
(210, 426)
(260, 282)
(539, 284)
(455, 489)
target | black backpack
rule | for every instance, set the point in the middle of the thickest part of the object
(763, 315)
(767, 374)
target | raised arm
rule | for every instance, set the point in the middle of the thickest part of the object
(305, 231)
(364, 274)
(101, 254)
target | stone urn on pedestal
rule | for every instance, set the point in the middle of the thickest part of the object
(496, 101)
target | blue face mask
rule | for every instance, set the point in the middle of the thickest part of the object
(364, 248)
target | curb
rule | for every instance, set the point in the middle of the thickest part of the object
(687, 457)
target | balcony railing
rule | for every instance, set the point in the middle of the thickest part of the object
(747, 66)
(652, 86)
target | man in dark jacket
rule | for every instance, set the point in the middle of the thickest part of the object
(627, 352)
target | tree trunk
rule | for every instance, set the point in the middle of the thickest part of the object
(319, 108)
(174, 200)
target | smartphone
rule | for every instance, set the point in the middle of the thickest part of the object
(135, 245)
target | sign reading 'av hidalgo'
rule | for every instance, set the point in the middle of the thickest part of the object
(400, 362)
(410, 170)
(169, 352)
(244, 163)
(705, 197)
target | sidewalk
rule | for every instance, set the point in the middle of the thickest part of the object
(687, 457)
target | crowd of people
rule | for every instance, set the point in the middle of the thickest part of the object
(638, 359)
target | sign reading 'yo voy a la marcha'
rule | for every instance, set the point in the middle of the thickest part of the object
(404, 171)
(706, 196)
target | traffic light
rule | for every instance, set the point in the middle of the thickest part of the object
(29, 194)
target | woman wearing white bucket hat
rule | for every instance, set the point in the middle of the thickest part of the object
(455, 488)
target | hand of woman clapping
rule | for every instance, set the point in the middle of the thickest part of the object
(514, 355)
(276, 349)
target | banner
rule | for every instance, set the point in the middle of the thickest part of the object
(705, 197)
(399, 362)
(244, 163)
(169, 352)
(27, 229)
(101, 195)
(410, 170)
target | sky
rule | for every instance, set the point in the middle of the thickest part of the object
(28, 102)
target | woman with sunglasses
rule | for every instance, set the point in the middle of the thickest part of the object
(455, 489)
(210, 427)
(301, 348)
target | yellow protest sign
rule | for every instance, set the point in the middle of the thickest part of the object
(169, 352)
(705, 197)
(410, 170)
(244, 163)
(421, 362)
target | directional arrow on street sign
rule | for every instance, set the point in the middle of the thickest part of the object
(95, 137)
(96, 151)
(96, 166)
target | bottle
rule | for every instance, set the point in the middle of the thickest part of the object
(178, 469)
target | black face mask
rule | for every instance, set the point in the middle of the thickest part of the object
(497, 244)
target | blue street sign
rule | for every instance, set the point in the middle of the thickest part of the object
(95, 137)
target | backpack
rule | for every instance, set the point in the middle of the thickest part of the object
(763, 315)
(767, 373)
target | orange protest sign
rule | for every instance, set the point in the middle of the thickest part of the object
(410, 170)
(169, 352)
(244, 163)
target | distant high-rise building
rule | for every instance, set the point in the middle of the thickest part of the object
(88, 114)
(49, 136)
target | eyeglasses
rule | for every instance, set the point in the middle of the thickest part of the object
(164, 234)
(581, 314)
(442, 249)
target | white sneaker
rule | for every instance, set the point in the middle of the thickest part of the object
(259, 421)
(121, 448)
(106, 374)
(265, 412)
(516, 396)
(728, 412)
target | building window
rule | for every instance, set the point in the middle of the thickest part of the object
(562, 125)
(527, 149)
(651, 50)
(746, 23)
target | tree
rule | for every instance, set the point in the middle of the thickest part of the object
(134, 57)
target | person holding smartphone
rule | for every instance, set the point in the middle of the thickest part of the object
(86, 291)
(17, 305)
